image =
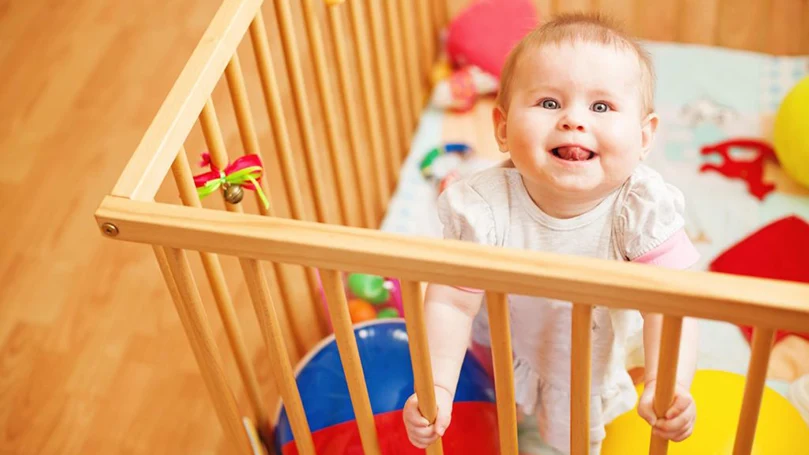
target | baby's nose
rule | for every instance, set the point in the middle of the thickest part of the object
(569, 123)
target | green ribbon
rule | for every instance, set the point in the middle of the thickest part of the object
(240, 177)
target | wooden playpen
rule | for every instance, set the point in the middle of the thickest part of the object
(329, 99)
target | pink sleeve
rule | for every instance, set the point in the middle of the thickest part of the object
(677, 253)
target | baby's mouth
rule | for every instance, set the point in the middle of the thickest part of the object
(573, 153)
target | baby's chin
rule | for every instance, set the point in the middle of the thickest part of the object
(591, 185)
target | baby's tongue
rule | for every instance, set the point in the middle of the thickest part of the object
(573, 153)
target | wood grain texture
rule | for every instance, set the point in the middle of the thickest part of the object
(379, 173)
(325, 212)
(666, 382)
(777, 27)
(382, 70)
(744, 24)
(345, 84)
(699, 21)
(413, 305)
(789, 27)
(334, 289)
(503, 362)
(93, 355)
(742, 300)
(580, 378)
(659, 21)
(224, 303)
(346, 196)
(572, 6)
(753, 390)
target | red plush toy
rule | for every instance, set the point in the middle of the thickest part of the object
(483, 34)
(476, 44)
(780, 251)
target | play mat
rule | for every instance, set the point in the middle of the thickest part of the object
(743, 213)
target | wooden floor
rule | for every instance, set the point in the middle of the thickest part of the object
(93, 359)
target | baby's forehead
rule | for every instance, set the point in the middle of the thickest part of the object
(583, 61)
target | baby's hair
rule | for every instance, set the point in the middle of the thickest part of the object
(587, 27)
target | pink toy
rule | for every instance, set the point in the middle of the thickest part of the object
(483, 34)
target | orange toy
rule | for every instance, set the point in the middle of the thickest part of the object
(360, 310)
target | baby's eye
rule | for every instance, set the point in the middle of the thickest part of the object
(549, 104)
(601, 107)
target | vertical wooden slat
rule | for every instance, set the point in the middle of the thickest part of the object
(805, 26)
(744, 25)
(624, 12)
(659, 21)
(357, 151)
(396, 45)
(216, 277)
(347, 205)
(787, 30)
(283, 145)
(279, 349)
(180, 281)
(303, 113)
(666, 375)
(350, 357)
(413, 305)
(763, 339)
(580, 379)
(426, 40)
(437, 15)
(573, 6)
(370, 100)
(500, 332)
(701, 21)
(272, 98)
(302, 321)
(411, 58)
(383, 69)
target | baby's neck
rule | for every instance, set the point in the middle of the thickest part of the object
(562, 205)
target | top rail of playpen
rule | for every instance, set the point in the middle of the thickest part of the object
(148, 166)
(743, 300)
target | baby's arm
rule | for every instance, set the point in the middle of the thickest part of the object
(449, 313)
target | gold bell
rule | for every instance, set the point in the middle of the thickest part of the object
(234, 194)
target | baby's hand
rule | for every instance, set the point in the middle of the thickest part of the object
(679, 419)
(419, 430)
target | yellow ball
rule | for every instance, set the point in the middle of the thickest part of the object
(791, 135)
(718, 396)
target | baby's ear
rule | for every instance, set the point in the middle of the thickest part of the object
(499, 121)
(648, 130)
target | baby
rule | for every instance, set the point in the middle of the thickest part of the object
(575, 113)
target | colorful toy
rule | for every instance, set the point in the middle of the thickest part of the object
(460, 89)
(436, 168)
(718, 396)
(244, 172)
(751, 171)
(790, 135)
(476, 44)
(385, 356)
(370, 297)
(778, 251)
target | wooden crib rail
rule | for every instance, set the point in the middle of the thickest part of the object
(742, 300)
(766, 304)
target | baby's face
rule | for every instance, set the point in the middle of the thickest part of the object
(575, 120)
